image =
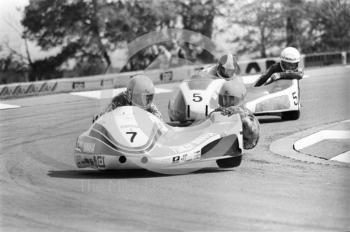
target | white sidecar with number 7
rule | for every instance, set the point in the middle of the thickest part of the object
(132, 138)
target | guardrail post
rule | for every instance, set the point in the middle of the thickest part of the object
(343, 55)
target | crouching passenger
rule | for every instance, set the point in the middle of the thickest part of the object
(231, 96)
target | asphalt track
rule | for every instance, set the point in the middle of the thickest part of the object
(42, 190)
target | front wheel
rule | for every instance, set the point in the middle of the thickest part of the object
(231, 162)
(291, 115)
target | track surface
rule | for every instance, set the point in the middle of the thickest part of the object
(41, 189)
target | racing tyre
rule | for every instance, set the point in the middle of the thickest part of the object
(291, 115)
(229, 162)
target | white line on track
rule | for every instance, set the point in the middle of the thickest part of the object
(250, 79)
(319, 136)
(344, 157)
(109, 93)
(7, 106)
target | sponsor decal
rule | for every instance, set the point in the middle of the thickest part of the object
(166, 76)
(86, 147)
(81, 162)
(187, 157)
(99, 161)
(253, 65)
(176, 159)
(78, 85)
(96, 161)
(288, 58)
(32, 89)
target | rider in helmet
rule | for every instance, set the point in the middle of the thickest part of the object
(287, 68)
(139, 92)
(231, 97)
(226, 68)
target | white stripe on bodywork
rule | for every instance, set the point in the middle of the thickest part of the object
(252, 104)
(319, 136)
(344, 157)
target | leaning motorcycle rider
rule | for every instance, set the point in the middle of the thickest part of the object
(231, 96)
(139, 92)
(288, 68)
(227, 68)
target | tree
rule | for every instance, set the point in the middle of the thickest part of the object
(12, 65)
(75, 26)
(263, 24)
(329, 25)
(131, 19)
(293, 13)
(198, 16)
(94, 27)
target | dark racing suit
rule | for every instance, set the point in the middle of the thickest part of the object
(121, 100)
(276, 68)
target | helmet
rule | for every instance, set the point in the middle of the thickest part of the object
(227, 66)
(140, 91)
(251, 131)
(232, 93)
(290, 58)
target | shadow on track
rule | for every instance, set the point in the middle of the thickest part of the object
(120, 174)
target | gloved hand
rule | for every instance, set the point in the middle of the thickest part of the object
(274, 77)
(230, 110)
(95, 117)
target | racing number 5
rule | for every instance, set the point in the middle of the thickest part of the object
(295, 97)
(197, 97)
(133, 135)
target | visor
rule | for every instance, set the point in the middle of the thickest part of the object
(286, 66)
(229, 72)
(228, 100)
(143, 100)
(225, 72)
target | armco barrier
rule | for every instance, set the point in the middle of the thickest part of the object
(256, 66)
(107, 81)
(116, 80)
(312, 60)
(29, 89)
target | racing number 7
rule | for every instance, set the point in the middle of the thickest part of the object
(133, 134)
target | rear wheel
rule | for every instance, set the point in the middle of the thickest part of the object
(291, 115)
(229, 162)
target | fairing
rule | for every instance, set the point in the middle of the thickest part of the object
(130, 137)
(277, 97)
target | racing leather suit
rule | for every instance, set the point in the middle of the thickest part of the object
(276, 68)
(250, 124)
(121, 100)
